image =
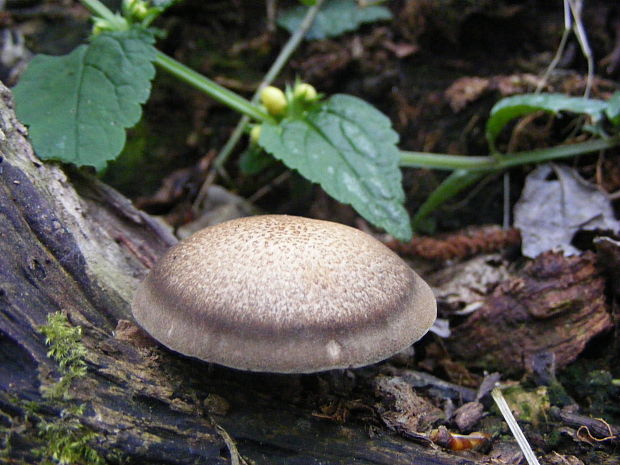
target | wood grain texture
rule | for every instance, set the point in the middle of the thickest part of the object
(554, 304)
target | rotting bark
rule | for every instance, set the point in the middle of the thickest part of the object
(555, 304)
(69, 243)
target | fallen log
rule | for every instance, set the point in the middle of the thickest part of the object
(70, 244)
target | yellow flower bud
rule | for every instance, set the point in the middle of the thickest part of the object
(305, 91)
(274, 100)
(140, 10)
(100, 25)
(255, 134)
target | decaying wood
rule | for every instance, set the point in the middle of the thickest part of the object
(402, 409)
(69, 243)
(555, 304)
(434, 386)
(587, 429)
(609, 255)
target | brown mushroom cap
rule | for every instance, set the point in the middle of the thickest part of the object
(284, 294)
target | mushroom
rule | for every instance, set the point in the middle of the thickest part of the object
(284, 294)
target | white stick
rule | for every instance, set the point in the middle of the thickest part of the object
(498, 397)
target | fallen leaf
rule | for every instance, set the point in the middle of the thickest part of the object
(464, 91)
(551, 211)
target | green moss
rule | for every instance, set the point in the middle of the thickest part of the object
(528, 405)
(67, 442)
(554, 438)
(66, 348)
(593, 387)
(66, 439)
(558, 395)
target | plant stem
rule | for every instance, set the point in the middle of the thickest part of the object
(451, 186)
(290, 46)
(275, 69)
(209, 87)
(481, 163)
(469, 170)
(98, 9)
(442, 161)
(553, 153)
(188, 75)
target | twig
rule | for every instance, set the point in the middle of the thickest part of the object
(275, 69)
(595, 429)
(496, 393)
(568, 25)
(271, 15)
(235, 458)
(574, 23)
(506, 203)
(435, 386)
(575, 7)
(264, 190)
(459, 245)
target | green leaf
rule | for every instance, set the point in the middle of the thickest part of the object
(349, 147)
(519, 105)
(458, 181)
(164, 3)
(335, 18)
(613, 109)
(254, 160)
(78, 106)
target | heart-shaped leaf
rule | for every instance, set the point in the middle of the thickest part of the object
(77, 106)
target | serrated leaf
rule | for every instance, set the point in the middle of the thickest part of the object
(613, 109)
(519, 105)
(335, 18)
(77, 106)
(349, 148)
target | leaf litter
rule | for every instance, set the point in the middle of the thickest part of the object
(551, 211)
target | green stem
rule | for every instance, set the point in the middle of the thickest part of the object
(451, 186)
(211, 88)
(188, 75)
(276, 67)
(469, 170)
(481, 163)
(99, 9)
(442, 161)
(230, 144)
(290, 46)
(553, 153)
